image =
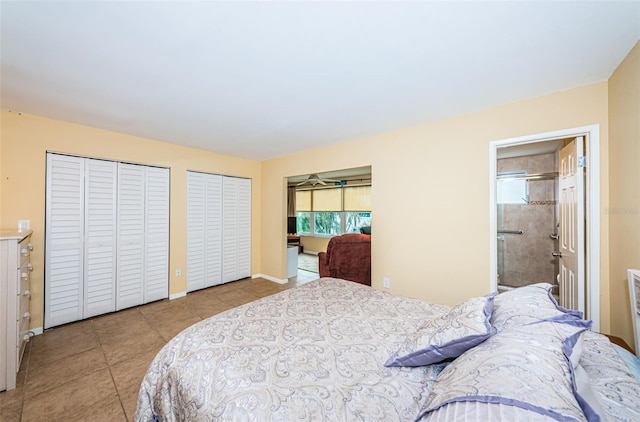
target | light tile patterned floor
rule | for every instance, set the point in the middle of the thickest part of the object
(308, 262)
(91, 370)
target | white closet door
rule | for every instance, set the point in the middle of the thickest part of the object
(64, 239)
(213, 230)
(229, 229)
(156, 272)
(131, 225)
(196, 219)
(100, 237)
(244, 228)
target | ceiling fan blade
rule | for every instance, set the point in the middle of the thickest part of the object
(322, 182)
(302, 183)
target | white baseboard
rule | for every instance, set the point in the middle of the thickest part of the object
(310, 252)
(268, 277)
(36, 331)
(177, 295)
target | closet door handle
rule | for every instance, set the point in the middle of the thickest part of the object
(557, 254)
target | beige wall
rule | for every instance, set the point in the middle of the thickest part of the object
(432, 238)
(624, 206)
(25, 140)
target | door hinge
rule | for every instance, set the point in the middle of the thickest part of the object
(582, 161)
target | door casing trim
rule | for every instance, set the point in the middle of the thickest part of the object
(592, 209)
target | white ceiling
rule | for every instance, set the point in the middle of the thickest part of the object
(266, 79)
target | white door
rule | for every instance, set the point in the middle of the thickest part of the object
(156, 242)
(205, 230)
(100, 237)
(64, 237)
(236, 228)
(229, 229)
(572, 224)
(244, 228)
(131, 225)
(213, 230)
(196, 235)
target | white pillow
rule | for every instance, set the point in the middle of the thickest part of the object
(526, 367)
(463, 327)
(528, 304)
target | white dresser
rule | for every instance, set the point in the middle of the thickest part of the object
(15, 273)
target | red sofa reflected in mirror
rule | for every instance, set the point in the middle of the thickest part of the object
(348, 257)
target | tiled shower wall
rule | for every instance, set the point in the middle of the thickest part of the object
(526, 259)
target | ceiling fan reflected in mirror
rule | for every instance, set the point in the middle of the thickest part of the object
(314, 179)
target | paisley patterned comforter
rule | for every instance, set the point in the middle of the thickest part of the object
(316, 352)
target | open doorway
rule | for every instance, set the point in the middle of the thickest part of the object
(526, 211)
(319, 207)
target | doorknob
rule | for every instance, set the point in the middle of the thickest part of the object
(558, 254)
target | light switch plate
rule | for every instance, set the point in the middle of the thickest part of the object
(24, 224)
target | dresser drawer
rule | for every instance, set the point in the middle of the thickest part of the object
(15, 300)
(22, 337)
(23, 305)
(24, 277)
(24, 250)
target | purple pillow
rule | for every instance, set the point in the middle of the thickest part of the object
(463, 327)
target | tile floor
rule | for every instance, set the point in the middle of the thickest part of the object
(91, 370)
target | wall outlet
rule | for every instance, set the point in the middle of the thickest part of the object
(178, 272)
(24, 224)
(385, 283)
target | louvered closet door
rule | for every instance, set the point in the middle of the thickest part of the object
(196, 220)
(229, 229)
(156, 277)
(213, 230)
(64, 240)
(236, 228)
(204, 233)
(100, 237)
(131, 225)
(244, 228)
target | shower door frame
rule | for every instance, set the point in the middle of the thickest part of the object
(592, 209)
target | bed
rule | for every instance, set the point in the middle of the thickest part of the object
(333, 350)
